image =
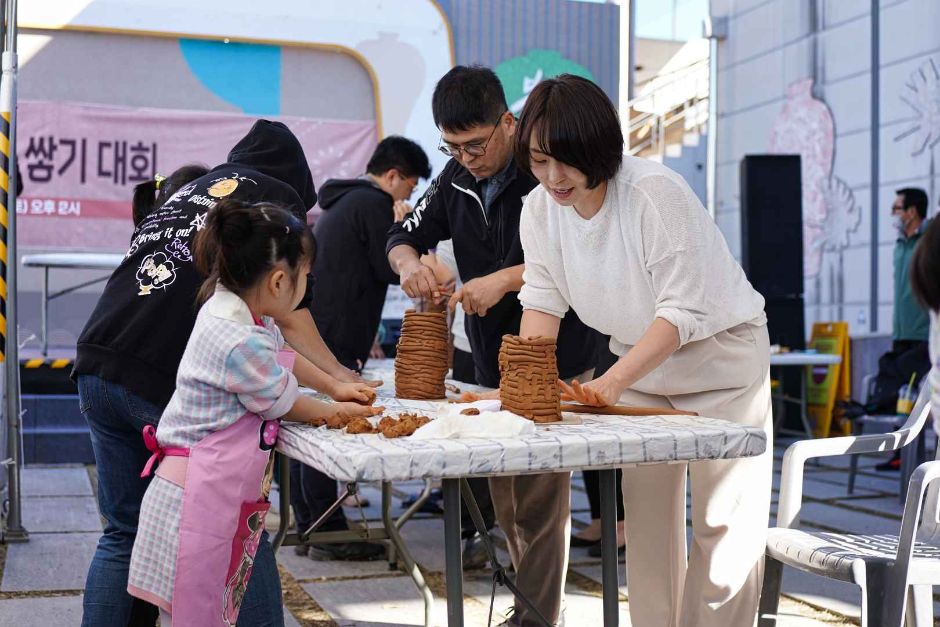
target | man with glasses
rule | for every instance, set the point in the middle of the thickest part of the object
(476, 201)
(351, 276)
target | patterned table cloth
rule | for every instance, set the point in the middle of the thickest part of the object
(598, 442)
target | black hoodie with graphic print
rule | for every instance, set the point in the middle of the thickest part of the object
(351, 272)
(138, 331)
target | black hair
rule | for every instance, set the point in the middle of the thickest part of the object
(925, 267)
(242, 241)
(914, 196)
(153, 193)
(466, 97)
(574, 122)
(402, 154)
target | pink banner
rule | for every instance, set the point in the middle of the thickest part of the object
(79, 163)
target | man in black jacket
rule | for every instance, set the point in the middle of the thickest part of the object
(351, 272)
(351, 276)
(129, 353)
(476, 201)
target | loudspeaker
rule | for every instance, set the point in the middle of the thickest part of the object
(772, 224)
(785, 324)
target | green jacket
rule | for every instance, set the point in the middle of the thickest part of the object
(911, 321)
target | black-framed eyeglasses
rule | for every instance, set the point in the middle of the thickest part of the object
(474, 149)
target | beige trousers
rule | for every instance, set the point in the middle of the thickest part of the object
(716, 583)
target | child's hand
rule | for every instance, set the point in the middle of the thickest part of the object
(357, 392)
(355, 409)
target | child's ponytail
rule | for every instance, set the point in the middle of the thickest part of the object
(151, 194)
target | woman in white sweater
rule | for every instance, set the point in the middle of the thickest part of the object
(626, 243)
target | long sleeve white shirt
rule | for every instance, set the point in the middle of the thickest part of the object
(652, 251)
(445, 254)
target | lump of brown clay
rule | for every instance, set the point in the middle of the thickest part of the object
(528, 378)
(421, 360)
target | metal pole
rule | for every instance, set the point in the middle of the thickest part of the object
(875, 150)
(45, 311)
(453, 560)
(715, 29)
(9, 350)
(627, 64)
(610, 589)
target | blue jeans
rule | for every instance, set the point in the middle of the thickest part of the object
(116, 418)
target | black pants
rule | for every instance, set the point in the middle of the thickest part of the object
(464, 373)
(311, 494)
(605, 359)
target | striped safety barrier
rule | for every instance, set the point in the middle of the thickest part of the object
(4, 225)
(53, 364)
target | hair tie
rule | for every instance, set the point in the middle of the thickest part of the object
(158, 180)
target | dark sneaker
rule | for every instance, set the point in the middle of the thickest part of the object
(430, 506)
(474, 553)
(301, 550)
(347, 552)
(595, 551)
(893, 464)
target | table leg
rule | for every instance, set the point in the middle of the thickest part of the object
(283, 487)
(453, 560)
(408, 562)
(44, 312)
(608, 506)
(804, 416)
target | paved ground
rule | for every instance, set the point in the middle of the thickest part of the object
(41, 581)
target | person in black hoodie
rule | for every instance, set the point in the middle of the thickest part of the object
(351, 273)
(129, 352)
(477, 201)
(351, 276)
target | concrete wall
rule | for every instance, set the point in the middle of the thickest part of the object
(771, 45)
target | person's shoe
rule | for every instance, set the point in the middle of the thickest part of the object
(356, 500)
(893, 464)
(581, 543)
(595, 551)
(301, 550)
(474, 553)
(347, 552)
(431, 506)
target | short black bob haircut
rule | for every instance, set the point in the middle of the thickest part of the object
(466, 97)
(925, 267)
(574, 122)
(914, 196)
(402, 154)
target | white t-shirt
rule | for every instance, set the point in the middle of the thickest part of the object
(652, 251)
(445, 254)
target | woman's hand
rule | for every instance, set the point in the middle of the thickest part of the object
(600, 392)
(355, 392)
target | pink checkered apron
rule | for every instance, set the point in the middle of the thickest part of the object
(225, 478)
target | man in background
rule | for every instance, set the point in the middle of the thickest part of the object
(351, 276)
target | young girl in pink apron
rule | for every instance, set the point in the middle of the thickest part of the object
(203, 514)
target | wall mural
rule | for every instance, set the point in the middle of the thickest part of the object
(805, 126)
(922, 95)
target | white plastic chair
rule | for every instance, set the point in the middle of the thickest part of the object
(891, 570)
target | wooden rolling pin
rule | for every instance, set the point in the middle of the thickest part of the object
(621, 410)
